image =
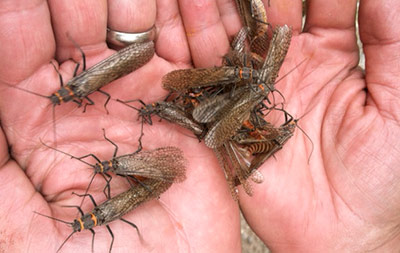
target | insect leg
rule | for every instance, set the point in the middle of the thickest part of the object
(108, 178)
(77, 207)
(78, 102)
(108, 99)
(90, 103)
(80, 158)
(83, 195)
(112, 237)
(91, 230)
(110, 141)
(76, 68)
(59, 74)
(132, 224)
(136, 181)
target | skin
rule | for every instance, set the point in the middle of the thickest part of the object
(346, 198)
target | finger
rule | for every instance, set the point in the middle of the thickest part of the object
(337, 14)
(228, 11)
(84, 21)
(26, 38)
(171, 43)
(131, 15)
(380, 34)
(208, 41)
(281, 12)
(19, 199)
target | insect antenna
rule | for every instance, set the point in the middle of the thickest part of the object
(285, 75)
(53, 218)
(82, 53)
(142, 112)
(28, 91)
(130, 101)
(81, 160)
(63, 221)
(308, 137)
(66, 239)
(126, 104)
(73, 157)
(291, 119)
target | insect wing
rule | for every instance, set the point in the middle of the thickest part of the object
(117, 65)
(208, 110)
(183, 79)
(119, 205)
(165, 164)
(286, 134)
(240, 167)
(233, 115)
(276, 54)
(224, 161)
(175, 114)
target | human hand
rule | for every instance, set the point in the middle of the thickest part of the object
(346, 199)
(34, 178)
(321, 200)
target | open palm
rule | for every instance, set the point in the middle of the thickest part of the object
(346, 191)
(347, 197)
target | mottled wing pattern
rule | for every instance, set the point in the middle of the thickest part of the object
(165, 164)
(117, 65)
(208, 110)
(118, 206)
(224, 162)
(183, 79)
(233, 115)
(286, 132)
(276, 54)
(240, 166)
(175, 114)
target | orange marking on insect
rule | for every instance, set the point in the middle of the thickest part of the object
(194, 102)
(94, 219)
(81, 223)
(241, 73)
(70, 92)
(248, 124)
(58, 96)
(197, 94)
(101, 168)
(255, 134)
(110, 164)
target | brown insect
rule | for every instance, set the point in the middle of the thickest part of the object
(116, 207)
(254, 16)
(238, 108)
(232, 116)
(183, 79)
(88, 81)
(163, 163)
(170, 112)
(268, 141)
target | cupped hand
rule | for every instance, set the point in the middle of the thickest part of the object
(346, 198)
(196, 215)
